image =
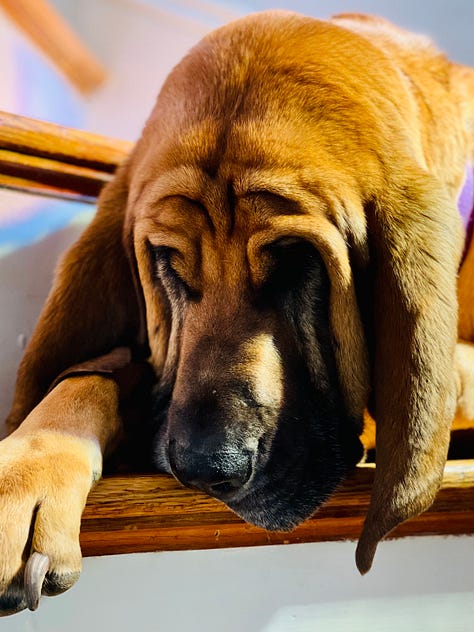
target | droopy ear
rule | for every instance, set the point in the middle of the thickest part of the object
(416, 240)
(93, 305)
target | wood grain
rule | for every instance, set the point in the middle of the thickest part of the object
(53, 173)
(48, 159)
(130, 514)
(31, 186)
(40, 138)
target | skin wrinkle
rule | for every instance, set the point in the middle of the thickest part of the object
(209, 196)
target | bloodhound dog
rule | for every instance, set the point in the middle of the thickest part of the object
(285, 248)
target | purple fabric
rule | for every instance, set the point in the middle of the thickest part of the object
(466, 206)
(466, 198)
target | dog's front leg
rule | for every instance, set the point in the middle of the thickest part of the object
(47, 468)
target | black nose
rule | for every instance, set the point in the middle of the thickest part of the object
(219, 472)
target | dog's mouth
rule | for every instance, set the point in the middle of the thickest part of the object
(286, 486)
(280, 498)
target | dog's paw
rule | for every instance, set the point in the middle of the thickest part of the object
(45, 477)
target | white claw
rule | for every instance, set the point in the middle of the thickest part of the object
(35, 570)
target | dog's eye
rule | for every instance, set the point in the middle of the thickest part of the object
(292, 263)
(161, 258)
(166, 262)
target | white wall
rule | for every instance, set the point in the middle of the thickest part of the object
(417, 585)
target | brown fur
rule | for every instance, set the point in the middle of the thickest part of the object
(356, 143)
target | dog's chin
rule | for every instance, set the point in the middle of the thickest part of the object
(271, 506)
(270, 517)
(281, 510)
(280, 499)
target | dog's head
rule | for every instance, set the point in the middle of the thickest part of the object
(255, 412)
(250, 301)
(286, 247)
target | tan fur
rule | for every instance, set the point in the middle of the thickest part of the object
(47, 468)
(358, 144)
(262, 366)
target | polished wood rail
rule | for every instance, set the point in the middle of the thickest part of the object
(130, 514)
(48, 159)
(136, 513)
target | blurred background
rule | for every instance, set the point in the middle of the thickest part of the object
(138, 41)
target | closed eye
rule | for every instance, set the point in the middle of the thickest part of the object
(165, 261)
(292, 263)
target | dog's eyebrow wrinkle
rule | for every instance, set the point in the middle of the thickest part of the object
(199, 206)
(278, 184)
(185, 181)
(215, 200)
(282, 205)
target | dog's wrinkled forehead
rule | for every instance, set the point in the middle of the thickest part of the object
(237, 203)
(232, 179)
(212, 166)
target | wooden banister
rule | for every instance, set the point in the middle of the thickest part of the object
(48, 159)
(131, 514)
(153, 512)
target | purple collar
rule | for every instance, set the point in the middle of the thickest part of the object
(466, 205)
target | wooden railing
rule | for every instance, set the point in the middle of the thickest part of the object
(153, 512)
(46, 159)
